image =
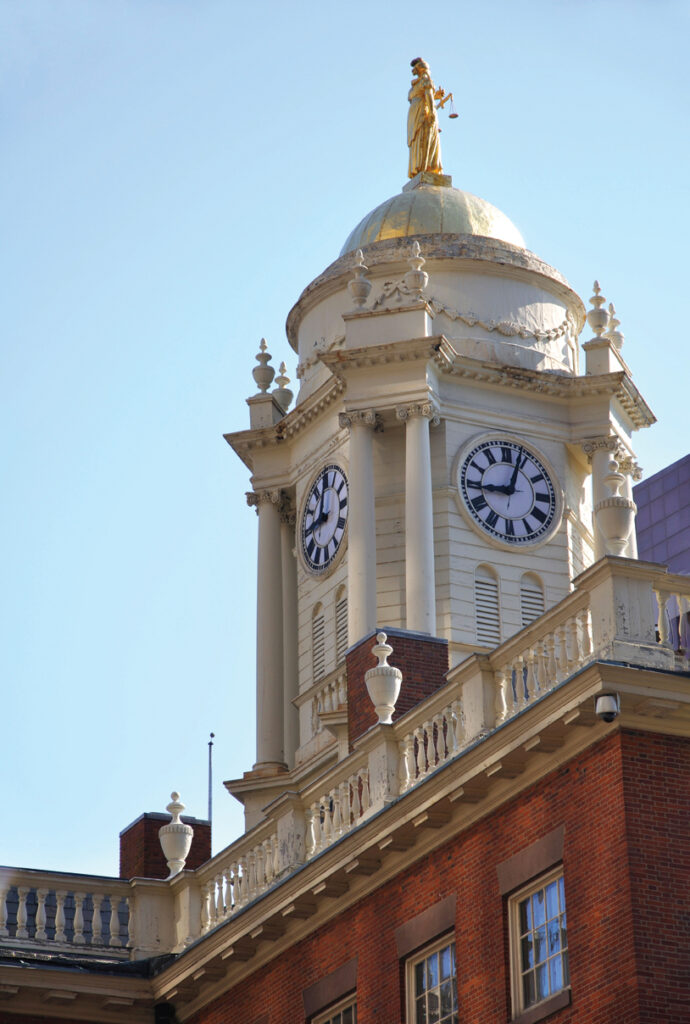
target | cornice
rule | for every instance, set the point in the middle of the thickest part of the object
(340, 360)
(245, 442)
(616, 385)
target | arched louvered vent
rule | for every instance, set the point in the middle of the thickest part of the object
(486, 606)
(318, 644)
(340, 625)
(531, 598)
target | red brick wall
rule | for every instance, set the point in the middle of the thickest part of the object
(608, 848)
(141, 855)
(422, 660)
(658, 830)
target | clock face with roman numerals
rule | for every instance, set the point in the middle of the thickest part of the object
(324, 519)
(508, 492)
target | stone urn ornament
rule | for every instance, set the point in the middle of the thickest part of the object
(175, 837)
(615, 515)
(383, 681)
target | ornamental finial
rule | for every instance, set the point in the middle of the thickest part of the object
(597, 318)
(613, 334)
(383, 681)
(358, 286)
(282, 394)
(416, 279)
(422, 120)
(263, 374)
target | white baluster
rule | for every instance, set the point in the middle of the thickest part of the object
(22, 931)
(551, 668)
(114, 922)
(438, 742)
(40, 934)
(366, 799)
(335, 803)
(60, 897)
(316, 826)
(78, 923)
(562, 651)
(585, 620)
(230, 888)
(420, 752)
(662, 598)
(342, 691)
(260, 869)
(220, 898)
(504, 694)
(683, 625)
(96, 921)
(344, 793)
(326, 824)
(571, 646)
(205, 915)
(268, 859)
(130, 922)
(407, 762)
(4, 931)
(458, 723)
(310, 840)
(252, 879)
(531, 685)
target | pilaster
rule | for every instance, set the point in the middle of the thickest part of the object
(362, 529)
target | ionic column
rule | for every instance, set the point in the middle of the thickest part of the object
(289, 564)
(361, 603)
(420, 576)
(269, 632)
(599, 450)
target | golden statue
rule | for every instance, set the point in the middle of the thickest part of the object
(422, 120)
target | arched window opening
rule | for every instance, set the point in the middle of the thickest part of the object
(488, 622)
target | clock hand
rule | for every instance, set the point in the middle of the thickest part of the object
(497, 488)
(516, 469)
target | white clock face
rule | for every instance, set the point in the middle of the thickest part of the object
(324, 519)
(508, 492)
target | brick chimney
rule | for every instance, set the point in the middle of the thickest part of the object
(141, 855)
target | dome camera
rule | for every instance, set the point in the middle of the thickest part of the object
(607, 706)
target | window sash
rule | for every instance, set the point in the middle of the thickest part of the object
(432, 983)
(538, 941)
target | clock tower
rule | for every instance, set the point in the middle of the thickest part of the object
(448, 468)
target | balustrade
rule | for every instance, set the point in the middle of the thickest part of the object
(329, 697)
(336, 811)
(430, 744)
(39, 914)
(237, 881)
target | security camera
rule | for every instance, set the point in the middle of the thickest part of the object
(607, 706)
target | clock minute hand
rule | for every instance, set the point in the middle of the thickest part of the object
(518, 466)
(497, 488)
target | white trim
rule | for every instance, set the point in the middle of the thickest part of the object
(327, 1017)
(411, 962)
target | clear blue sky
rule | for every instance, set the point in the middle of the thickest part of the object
(173, 174)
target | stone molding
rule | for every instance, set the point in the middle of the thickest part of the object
(426, 927)
(531, 861)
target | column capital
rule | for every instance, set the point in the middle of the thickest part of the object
(366, 417)
(257, 498)
(425, 410)
(606, 443)
(629, 466)
(288, 513)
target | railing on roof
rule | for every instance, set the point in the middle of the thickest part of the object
(64, 912)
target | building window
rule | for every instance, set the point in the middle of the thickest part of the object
(486, 606)
(340, 625)
(531, 598)
(539, 942)
(318, 644)
(432, 993)
(344, 1013)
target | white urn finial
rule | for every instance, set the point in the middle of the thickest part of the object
(613, 334)
(263, 374)
(615, 515)
(175, 837)
(597, 318)
(359, 287)
(282, 394)
(416, 279)
(383, 681)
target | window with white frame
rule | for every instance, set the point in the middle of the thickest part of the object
(432, 993)
(344, 1013)
(538, 941)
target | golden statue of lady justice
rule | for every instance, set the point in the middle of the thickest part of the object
(422, 120)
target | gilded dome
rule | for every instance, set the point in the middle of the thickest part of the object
(423, 208)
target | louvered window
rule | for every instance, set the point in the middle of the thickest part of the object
(340, 627)
(531, 599)
(486, 607)
(318, 645)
